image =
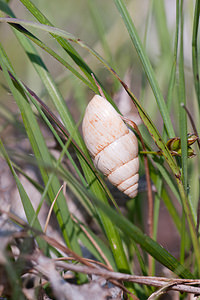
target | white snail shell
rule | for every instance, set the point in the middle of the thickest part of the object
(112, 146)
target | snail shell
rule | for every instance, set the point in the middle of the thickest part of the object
(112, 146)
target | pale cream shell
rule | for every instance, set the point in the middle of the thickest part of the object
(113, 147)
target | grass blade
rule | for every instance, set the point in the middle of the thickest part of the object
(146, 65)
(195, 61)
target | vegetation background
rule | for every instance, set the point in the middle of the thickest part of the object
(153, 47)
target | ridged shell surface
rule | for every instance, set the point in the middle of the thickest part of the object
(113, 147)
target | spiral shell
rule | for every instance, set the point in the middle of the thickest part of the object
(112, 146)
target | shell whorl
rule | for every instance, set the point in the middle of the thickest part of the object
(112, 146)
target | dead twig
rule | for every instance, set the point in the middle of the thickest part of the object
(181, 285)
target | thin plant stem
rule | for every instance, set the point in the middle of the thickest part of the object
(192, 123)
(198, 217)
(93, 242)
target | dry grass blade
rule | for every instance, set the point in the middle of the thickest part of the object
(51, 209)
(94, 243)
(161, 291)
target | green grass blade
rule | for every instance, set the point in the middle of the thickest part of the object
(13, 278)
(174, 65)
(195, 60)
(163, 194)
(38, 186)
(98, 23)
(156, 211)
(182, 112)
(167, 178)
(37, 60)
(146, 65)
(183, 129)
(162, 27)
